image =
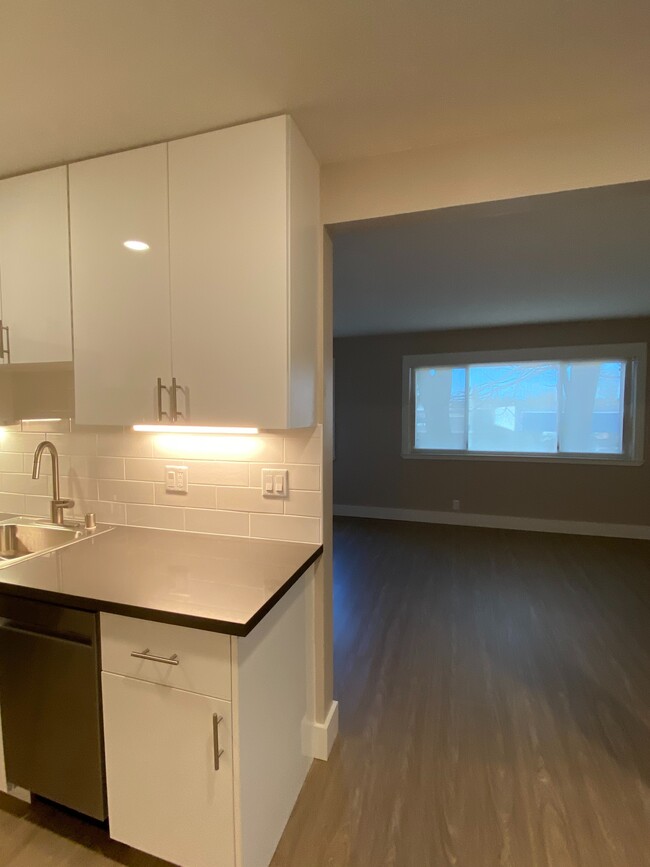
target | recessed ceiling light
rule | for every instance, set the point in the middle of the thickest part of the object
(136, 245)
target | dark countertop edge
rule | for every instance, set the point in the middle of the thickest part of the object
(175, 618)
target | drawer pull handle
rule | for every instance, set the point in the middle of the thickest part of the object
(146, 654)
(216, 719)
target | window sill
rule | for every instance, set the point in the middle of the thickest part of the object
(533, 458)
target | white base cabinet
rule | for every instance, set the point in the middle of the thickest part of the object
(168, 795)
(165, 795)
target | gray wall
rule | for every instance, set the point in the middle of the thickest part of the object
(369, 469)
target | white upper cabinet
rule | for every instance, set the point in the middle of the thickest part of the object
(120, 295)
(224, 300)
(34, 268)
(244, 221)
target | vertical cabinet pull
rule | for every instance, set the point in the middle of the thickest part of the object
(173, 414)
(216, 719)
(173, 399)
(159, 390)
(4, 344)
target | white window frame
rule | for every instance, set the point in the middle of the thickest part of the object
(634, 408)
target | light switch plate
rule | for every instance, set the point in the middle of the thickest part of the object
(275, 483)
(176, 479)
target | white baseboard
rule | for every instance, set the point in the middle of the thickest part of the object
(318, 738)
(502, 522)
(19, 792)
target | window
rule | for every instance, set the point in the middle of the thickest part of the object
(580, 403)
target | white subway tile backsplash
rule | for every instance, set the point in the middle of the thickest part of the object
(119, 475)
(78, 488)
(160, 517)
(125, 491)
(14, 503)
(124, 445)
(39, 506)
(303, 447)
(224, 523)
(15, 441)
(306, 503)
(105, 513)
(91, 466)
(247, 500)
(46, 427)
(287, 527)
(23, 483)
(218, 472)
(74, 443)
(11, 462)
(145, 469)
(269, 447)
(197, 497)
(46, 464)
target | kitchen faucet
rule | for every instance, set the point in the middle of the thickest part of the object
(58, 505)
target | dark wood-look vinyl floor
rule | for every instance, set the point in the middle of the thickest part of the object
(494, 692)
(494, 695)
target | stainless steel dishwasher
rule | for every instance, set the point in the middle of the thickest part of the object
(50, 703)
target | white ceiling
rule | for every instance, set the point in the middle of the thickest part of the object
(361, 77)
(583, 254)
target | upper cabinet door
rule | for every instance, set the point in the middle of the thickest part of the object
(120, 295)
(34, 267)
(243, 205)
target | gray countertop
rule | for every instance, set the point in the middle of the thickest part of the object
(220, 583)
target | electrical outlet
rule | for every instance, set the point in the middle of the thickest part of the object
(176, 479)
(455, 505)
(275, 483)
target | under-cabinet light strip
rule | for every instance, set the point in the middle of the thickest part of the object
(195, 429)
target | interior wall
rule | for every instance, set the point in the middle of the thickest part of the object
(484, 170)
(369, 469)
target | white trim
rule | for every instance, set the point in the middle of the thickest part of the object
(19, 793)
(318, 738)
(501, 522)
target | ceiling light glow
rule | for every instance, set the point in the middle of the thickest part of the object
(136, 245)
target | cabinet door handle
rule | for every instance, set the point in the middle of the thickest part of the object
(216, 719)
(146, 654)
(159, 391)
(173, 400)
(4, 349)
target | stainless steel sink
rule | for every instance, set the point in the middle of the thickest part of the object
(25, 537)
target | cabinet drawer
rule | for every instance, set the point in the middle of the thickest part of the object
(202, 658)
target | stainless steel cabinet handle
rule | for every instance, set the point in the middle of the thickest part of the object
(173, 400)
(159, 390)
(216, 719)
(147, 654)
(4, 350)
